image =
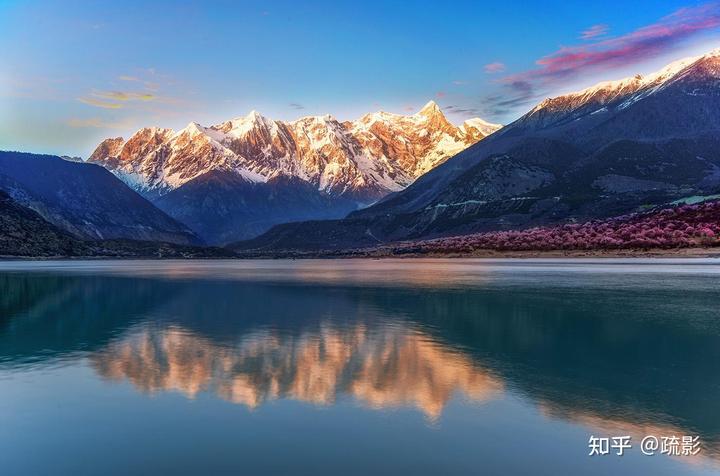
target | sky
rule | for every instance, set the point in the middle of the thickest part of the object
(73, 73)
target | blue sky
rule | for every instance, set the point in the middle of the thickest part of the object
(75, 72)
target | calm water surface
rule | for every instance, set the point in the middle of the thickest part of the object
(356, 366)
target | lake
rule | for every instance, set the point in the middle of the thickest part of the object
(358, 367)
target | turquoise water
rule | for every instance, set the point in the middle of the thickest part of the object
(356, 366)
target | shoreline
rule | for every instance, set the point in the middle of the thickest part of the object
(705, 252)
(370, 253)
(659, 253)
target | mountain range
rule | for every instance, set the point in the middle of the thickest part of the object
(363, 160)
(608, 150)
(236, 179)
(264, 186)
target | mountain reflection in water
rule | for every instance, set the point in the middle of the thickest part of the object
(385, 366)
(614, 353)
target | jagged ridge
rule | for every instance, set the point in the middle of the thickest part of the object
(362, 160)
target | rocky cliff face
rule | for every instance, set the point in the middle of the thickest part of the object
(361, 160)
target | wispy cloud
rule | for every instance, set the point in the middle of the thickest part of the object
(516, 94)
(523, 91)
(150, 85)
(567, 63)
(124, 95)
(593, 32)
(459, 82)
(47, 88)
(464, 111)
(116, 99)
(95, 122)
(99, 103)
(628, 49)
(296, 106)
(440, 94)
(496, 67)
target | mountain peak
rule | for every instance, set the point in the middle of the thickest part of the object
(254, 116)
(194, 128)
(430, 109)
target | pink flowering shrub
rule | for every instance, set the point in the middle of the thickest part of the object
(678, 227)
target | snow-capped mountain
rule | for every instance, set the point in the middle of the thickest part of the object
(362, 160)
(607, 150)
(678, 101)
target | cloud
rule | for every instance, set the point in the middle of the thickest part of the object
(593, 32)
(149, 84)
(296, 106)
(94, 122)
(98, 103)
(440, 94)
(522, 92)
(115, 99)
(459, 82)
(464, 111)
(124, 96)
(496, 67)
(566, 63)
(628, 49)
(468, 111)
(516, 93)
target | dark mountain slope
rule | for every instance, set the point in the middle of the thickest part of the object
(85, 200)
(25, 233)
(222, 206)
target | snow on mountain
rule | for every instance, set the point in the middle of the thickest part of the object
(618, 94)
(417, 143)
(363, 159)
(477, 127)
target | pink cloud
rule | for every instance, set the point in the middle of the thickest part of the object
(648, 41)
(495, 67)
(440, 94)
(593, 32)
(603, 55)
